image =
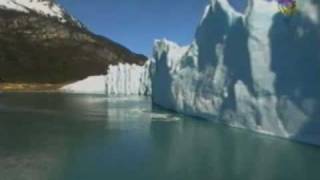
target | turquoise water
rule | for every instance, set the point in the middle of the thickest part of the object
(80, 137)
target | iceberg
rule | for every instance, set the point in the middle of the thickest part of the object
(257, 69)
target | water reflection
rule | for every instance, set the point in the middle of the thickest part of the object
(69, 137)
(204, 152)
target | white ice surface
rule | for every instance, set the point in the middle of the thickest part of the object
(90, 85)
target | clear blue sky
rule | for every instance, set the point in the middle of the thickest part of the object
(136, 23)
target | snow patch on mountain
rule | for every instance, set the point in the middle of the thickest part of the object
(44, 7)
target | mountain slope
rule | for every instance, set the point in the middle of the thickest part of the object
(40, 42)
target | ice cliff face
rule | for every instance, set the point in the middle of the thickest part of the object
(258, 70)
(126, 79)
(121, 80)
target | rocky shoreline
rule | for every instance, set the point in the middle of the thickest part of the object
(30, 87)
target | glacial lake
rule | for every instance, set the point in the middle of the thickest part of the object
(91, 137)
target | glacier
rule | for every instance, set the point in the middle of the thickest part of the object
(258, 70)
(120, 80)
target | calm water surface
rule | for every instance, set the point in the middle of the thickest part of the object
(82, 137)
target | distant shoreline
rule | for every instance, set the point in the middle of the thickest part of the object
(30, 87)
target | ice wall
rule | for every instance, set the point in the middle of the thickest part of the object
(259, 70)
(126, 79)
(121, 80)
